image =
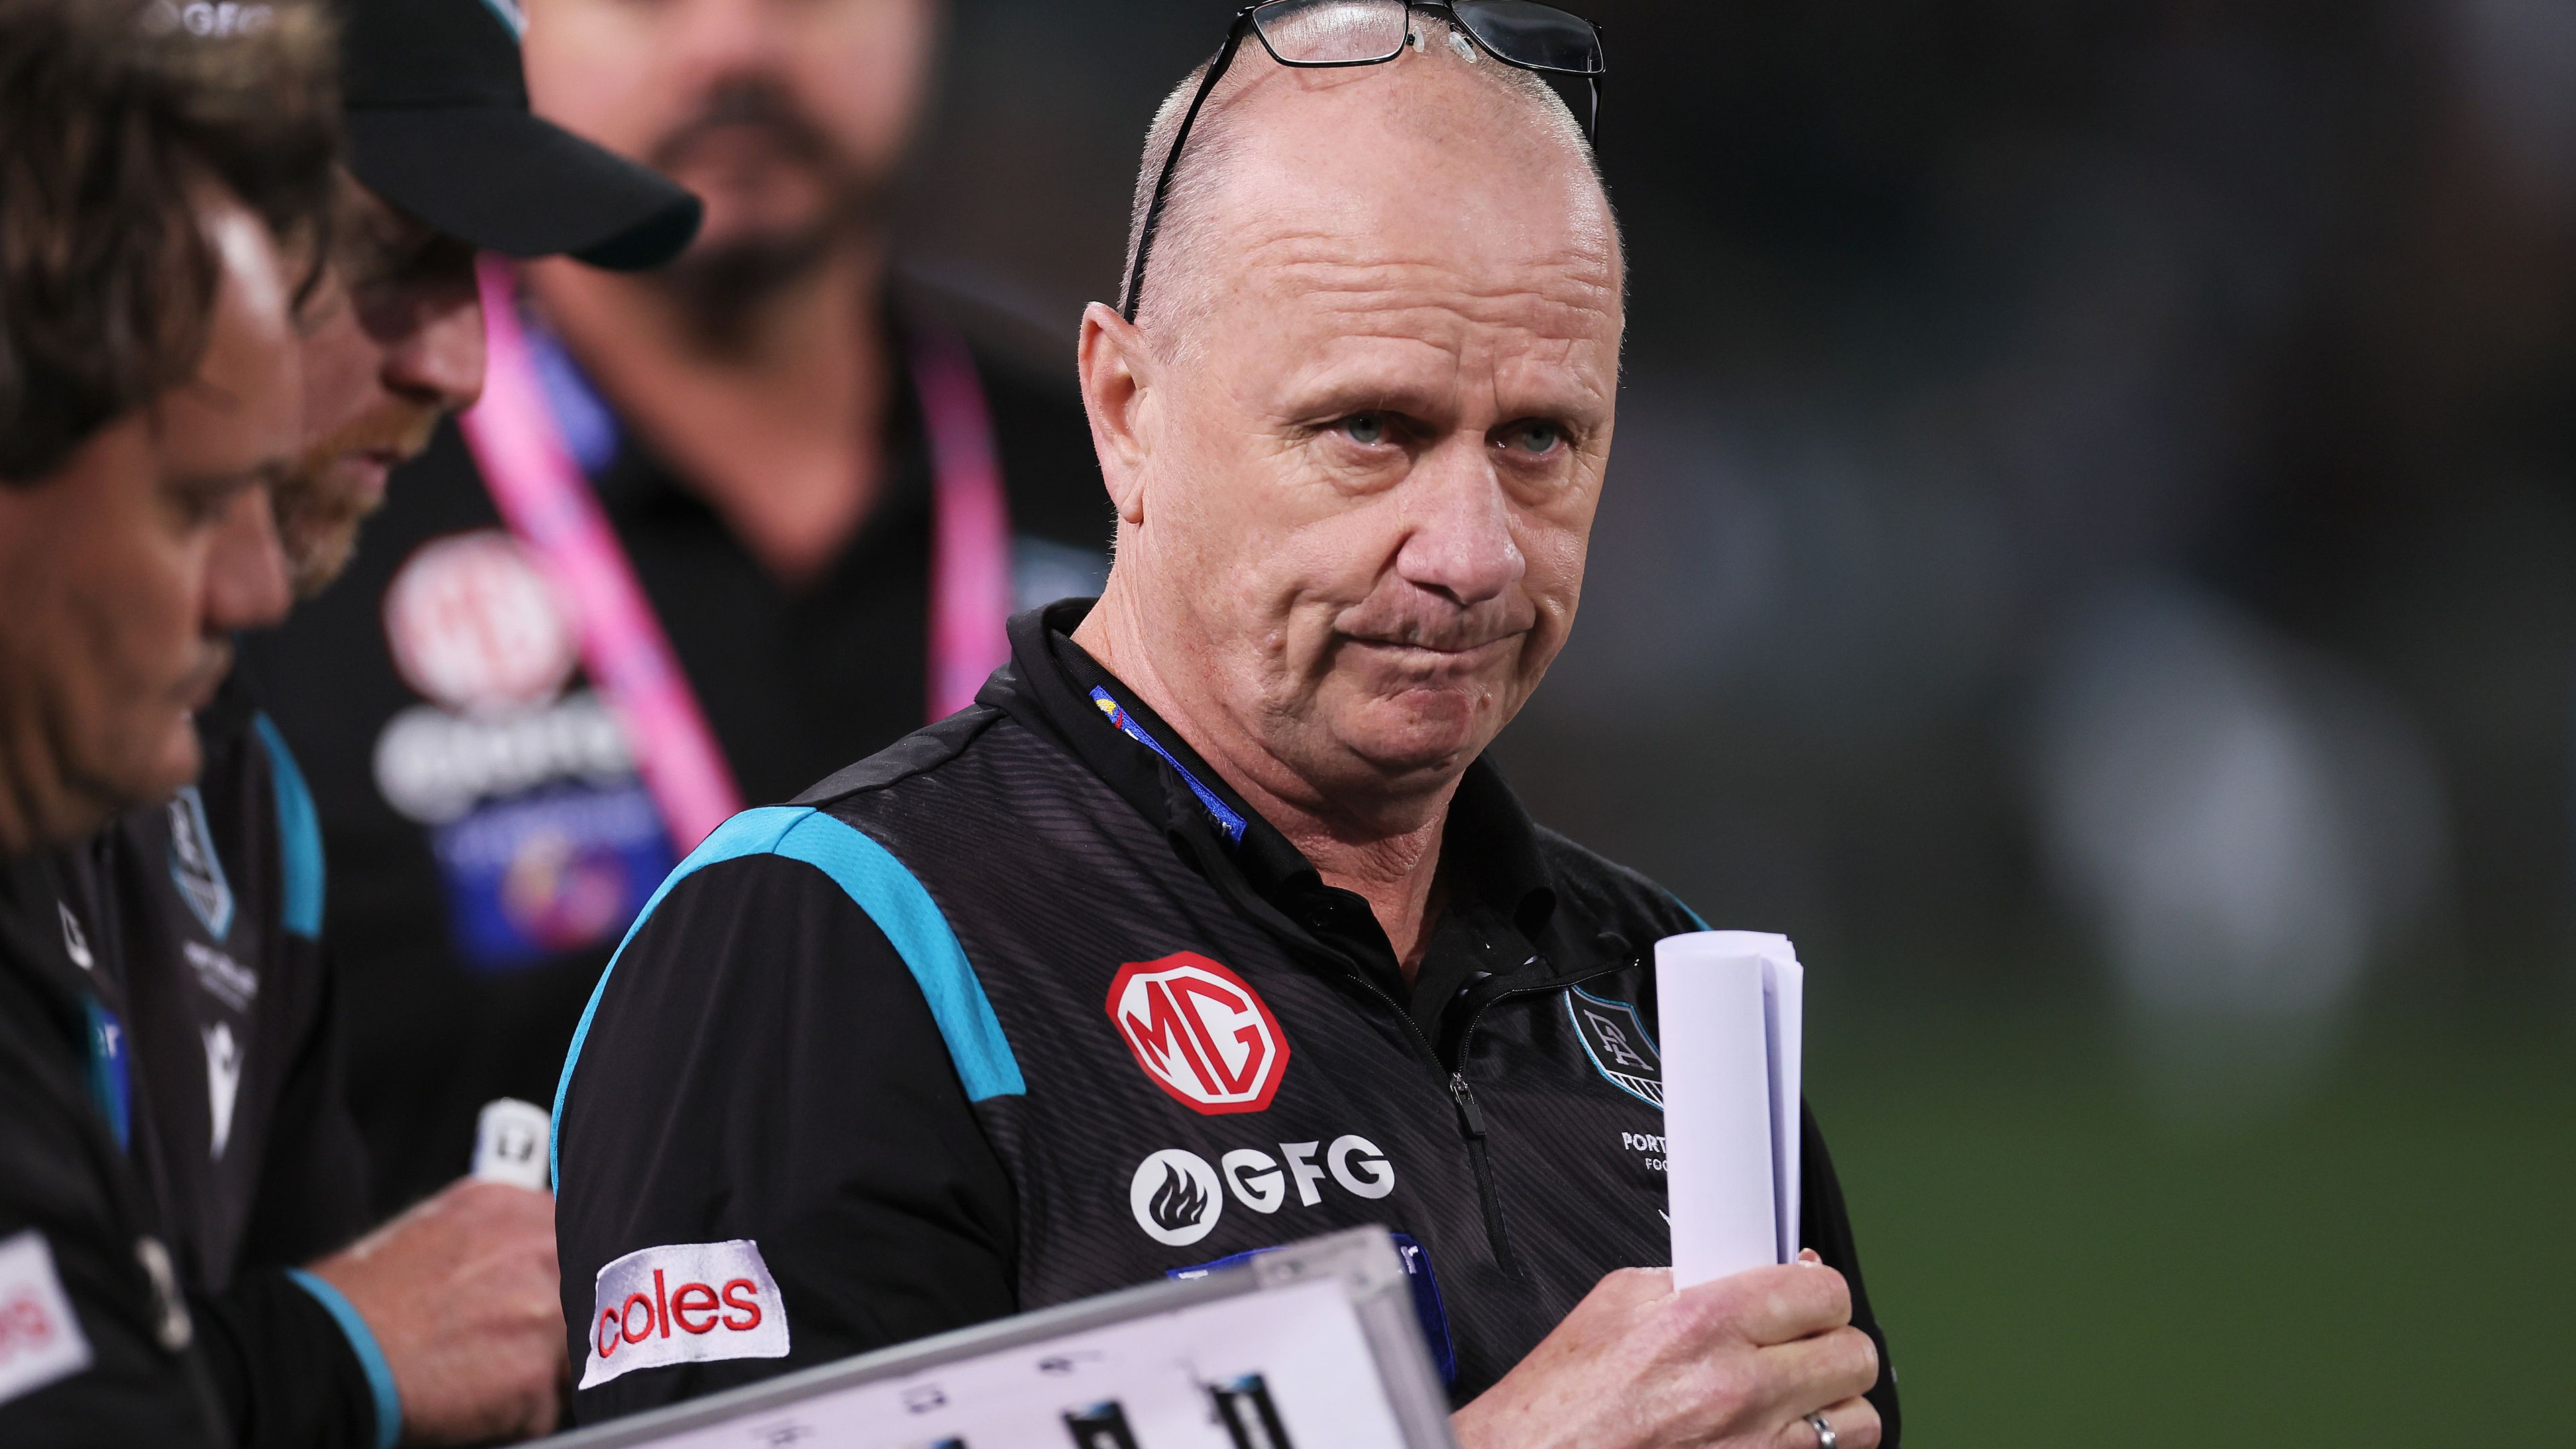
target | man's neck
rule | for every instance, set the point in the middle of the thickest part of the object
(37, 800)
(779, 426)
(1388, 852)
(17, 825)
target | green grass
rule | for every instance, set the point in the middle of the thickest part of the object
(2393, 1262)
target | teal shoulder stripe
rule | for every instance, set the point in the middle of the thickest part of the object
(893, 898)
(902, 908)
(1687, 911)
(299, 835)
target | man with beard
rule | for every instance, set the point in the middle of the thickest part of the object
(199, 921)
(717, 529)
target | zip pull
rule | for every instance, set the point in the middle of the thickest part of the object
(1471, 1118)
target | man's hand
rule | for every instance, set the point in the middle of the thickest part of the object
(460, 1292)
(1738, 1363)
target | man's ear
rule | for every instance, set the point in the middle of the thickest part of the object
(1117, 370)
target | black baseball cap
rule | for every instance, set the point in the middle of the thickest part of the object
(438, 124)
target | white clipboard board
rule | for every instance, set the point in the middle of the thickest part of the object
(1312, 1346)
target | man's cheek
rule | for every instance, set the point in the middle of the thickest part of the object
(1555, 557)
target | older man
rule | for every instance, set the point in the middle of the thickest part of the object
(1208, 929)
(147, 396)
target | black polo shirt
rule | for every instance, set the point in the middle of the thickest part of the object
(488, 836)
(198, 920)
(101, 1349)
(1031, 1006)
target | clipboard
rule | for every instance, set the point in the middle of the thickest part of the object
(1312, 1346)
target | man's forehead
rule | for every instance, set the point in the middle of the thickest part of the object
(1402, 182)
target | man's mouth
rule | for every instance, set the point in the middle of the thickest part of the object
(1440, 653)
(363, 474)
(198, 689)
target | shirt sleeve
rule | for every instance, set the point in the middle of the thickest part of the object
(1826, 1227)
(759, 1065)
(312, 1195)
(288, 1374)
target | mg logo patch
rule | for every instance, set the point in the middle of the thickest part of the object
(1200, 1033)
(1614, 1036)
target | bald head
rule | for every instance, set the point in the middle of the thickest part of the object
(1357, 433)
(1451, 93)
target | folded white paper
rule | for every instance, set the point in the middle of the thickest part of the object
(1730, 1010)
(510, 1143)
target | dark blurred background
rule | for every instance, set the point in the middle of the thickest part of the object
(2091, 554)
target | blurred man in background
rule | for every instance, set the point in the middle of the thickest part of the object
(808, 512)
(203, 917)
(160, 194)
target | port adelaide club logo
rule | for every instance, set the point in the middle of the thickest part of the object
(1200, 1033)
(1615, 1037)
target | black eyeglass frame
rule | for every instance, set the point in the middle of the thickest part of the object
(1243, 21)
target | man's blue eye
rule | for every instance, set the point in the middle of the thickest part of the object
(1536, 437)
(1365, 428)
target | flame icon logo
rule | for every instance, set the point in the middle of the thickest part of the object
(1175, 1197)
(1178, 1203)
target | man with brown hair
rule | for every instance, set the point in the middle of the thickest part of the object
(155, 185)
(204, 913)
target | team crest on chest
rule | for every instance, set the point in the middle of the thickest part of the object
(1615, 1037)
(195, 868)
(1202, 1034)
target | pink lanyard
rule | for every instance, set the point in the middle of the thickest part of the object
(548, 503)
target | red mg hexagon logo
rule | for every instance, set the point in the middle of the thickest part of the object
(1200, 1033)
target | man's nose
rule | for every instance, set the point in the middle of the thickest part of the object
(246, 580)
(1459, 538)
(441, 360)
(717, 39)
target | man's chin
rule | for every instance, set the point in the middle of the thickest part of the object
(318, 527)
(1422, 732)
(319, 555)
(171, 760)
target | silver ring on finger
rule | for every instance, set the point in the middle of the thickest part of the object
(1825, 1438)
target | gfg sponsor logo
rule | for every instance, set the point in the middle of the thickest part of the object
(1177, 1196)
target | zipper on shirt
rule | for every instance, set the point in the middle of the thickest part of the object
(1462, 1097)
(1471, 1118)
(1471, 1125)
(1471, 1129)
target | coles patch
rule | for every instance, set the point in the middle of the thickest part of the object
(40, 1340)
(1200, 1033)
(683, 1303)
